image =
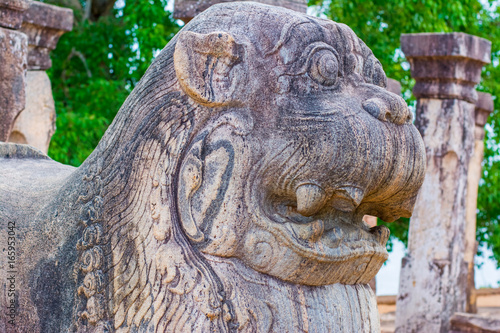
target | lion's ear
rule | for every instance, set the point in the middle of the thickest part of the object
(189, 182)
(203, 182)
(204, 65)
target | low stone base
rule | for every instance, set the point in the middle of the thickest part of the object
(472, 323)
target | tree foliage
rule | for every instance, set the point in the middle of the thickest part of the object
(381, 22)
(97, 65)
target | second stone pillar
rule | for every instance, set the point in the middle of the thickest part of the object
(484, 106)
(43, 24)
(433, 278)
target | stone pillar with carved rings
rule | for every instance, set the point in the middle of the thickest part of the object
(446, 68)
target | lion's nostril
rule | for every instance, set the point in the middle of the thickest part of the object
(402, 112)
(380, 109)
(310, 199)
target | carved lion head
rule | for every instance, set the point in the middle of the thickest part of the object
(228, 193)
(301, 140)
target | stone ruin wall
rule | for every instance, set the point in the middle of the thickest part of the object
(29, 30)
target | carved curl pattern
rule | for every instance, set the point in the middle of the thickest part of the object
(91, 258)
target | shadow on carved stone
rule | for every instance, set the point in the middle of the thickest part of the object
(229, 191)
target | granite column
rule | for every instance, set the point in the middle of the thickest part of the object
(484, 106)
(43, 24)
(446, 68)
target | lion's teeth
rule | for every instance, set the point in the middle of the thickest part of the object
(347, 198)
(381, 233)
(310, 199)
(334, 237)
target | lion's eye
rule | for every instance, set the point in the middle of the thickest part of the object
(324, 67)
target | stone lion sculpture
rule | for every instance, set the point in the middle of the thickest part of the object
(227, 194)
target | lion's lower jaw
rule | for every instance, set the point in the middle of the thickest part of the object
(262, 303)
(276, 253)
(357, 267)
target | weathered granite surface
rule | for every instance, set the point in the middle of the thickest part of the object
(36, 124)
(394, 87)
(433, 279)
(227, 194)
(13, 55)
(12, 12)
(44, 24)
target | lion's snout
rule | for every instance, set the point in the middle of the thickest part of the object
(386, 106)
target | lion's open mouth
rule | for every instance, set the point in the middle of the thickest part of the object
(330, 236)
(334, 236)
(328, 247)
(307, 222)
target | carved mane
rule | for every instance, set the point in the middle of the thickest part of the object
(150, 276)
(147, 283)
(227, 194)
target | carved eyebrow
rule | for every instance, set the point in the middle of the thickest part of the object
(285, 35)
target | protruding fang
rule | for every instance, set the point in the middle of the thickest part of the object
(346, 199)
(310, 199)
